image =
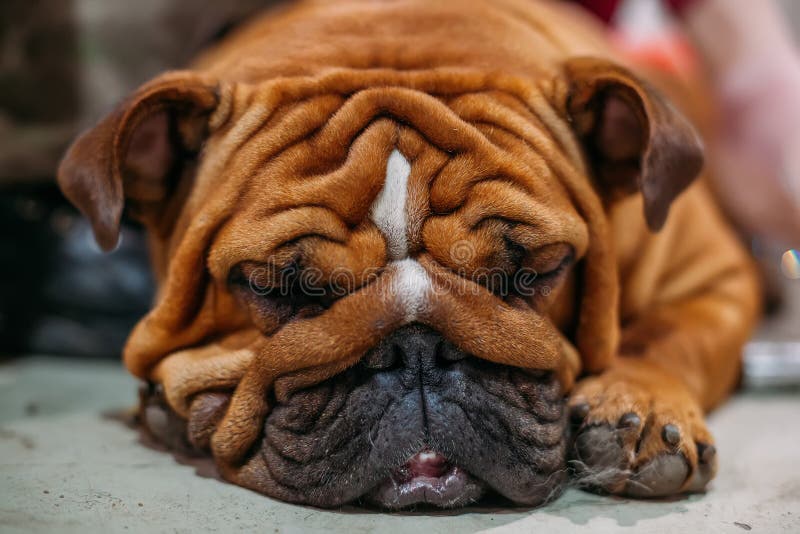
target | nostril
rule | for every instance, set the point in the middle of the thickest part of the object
(397, 357)
(438, 354)
(412, 347)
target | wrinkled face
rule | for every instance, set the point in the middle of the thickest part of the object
(397, 296)
(366, 276)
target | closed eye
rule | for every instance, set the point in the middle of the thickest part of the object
(543, 272)
(275, 296)
(559, 269)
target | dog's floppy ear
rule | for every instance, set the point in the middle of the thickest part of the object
(138, 152)
(634, 139)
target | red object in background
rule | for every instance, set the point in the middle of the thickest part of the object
(679, 6)
(668, 51)
(605, 9)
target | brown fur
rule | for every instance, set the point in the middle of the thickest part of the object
(276, 145)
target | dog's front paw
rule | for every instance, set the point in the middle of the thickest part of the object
(639, 433)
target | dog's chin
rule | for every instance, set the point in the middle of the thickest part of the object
(416, 423)
(477, 430)
(427, 478)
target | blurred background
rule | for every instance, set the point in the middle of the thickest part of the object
(66, 63)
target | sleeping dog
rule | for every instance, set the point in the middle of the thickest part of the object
(418, 251)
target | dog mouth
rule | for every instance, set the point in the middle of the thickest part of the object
(427, 478)
(415, 424)
(418, 423)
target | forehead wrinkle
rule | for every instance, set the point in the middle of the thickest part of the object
(347, 186)
(504, 199)
(394, 216)
(293, 125)
(535, 176)
(427, 160)
(504, 117)
(256, 238)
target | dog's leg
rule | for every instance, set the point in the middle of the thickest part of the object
(689, 300)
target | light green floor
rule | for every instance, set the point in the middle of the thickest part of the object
(68, 463)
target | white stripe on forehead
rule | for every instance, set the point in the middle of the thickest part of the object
(389, 209)
(411, 285)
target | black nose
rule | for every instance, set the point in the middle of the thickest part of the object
(417, 350)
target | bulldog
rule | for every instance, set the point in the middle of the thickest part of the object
(417, 252)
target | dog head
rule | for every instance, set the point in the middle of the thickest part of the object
(377, 283)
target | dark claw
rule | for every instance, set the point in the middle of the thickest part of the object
(670, 434)
(706, 453)
(629, 420)
(579, 412)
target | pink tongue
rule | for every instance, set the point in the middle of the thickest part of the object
(427, 463)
